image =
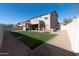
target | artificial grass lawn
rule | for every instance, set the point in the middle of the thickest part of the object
(33, 39)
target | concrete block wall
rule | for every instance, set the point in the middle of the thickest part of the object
(73, 32)
(1, 36)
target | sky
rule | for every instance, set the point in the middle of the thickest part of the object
(12, 13)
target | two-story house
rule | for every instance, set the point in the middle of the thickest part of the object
(44, 22)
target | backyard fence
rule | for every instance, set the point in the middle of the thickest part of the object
(73, 32)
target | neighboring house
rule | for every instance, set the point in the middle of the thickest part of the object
(44, 22)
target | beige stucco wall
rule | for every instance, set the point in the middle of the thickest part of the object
(34, 21)
(24, 26)
(47, 21)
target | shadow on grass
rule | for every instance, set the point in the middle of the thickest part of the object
(32, 43)
(46, 50)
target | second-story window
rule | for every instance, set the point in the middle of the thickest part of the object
(19, 23)
(46, 18)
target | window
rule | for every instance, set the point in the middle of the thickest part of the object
(46, 18)
(19, 23)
